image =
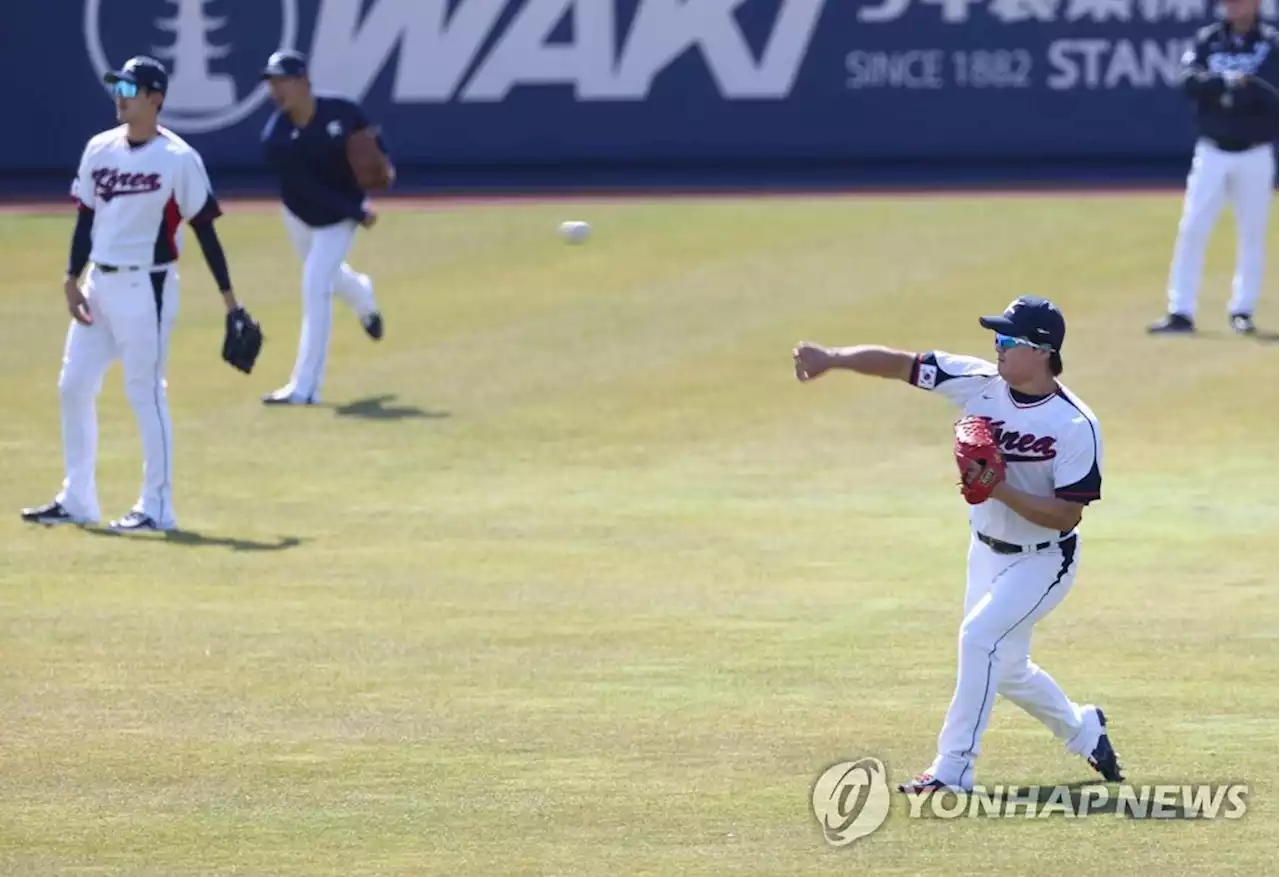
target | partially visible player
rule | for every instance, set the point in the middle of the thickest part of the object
(1231, 75)
(305, 146)
(135, 185)
(1025, 547)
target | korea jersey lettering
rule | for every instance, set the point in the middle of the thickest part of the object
(140, 195)
(1052, 444)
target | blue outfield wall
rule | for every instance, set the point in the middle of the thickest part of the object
(472, 93)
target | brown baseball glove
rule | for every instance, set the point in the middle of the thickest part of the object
(372, 168)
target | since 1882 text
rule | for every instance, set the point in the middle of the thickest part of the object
(938, 68)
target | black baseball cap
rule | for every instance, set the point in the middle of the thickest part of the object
(143, 72)
(286, 62)
(1033, 318)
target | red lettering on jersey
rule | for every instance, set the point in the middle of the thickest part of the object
(1021, 447)
(108, 182)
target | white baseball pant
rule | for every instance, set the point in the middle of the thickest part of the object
(133, 314)
(1216, 175)
(325, 273)
(1006, 595)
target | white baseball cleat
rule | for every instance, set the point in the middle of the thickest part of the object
(284, 396)
(1242, 324)
(137, 522)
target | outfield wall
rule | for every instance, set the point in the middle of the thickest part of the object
(475, 92)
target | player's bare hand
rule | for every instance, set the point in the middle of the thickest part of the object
(370, 219)
(811, 360)
(77, 306)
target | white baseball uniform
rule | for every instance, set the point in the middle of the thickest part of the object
(1053, 447)
(139, 195)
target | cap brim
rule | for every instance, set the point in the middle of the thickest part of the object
(1001, 324)
(111, 77)
(281, 73)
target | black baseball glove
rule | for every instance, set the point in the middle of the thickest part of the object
(243, 340)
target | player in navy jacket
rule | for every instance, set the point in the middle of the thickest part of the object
(304, 143)
(1230, 76)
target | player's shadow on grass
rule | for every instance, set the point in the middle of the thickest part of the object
(1269, 338)
(193, 539)
(376, 408)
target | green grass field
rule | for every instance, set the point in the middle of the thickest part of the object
(569, 576)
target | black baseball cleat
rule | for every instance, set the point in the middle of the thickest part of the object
(1103, 759)
(1242, 324)
(284, 397)
(373, 326)
(1172, 324)
(49, 514)
(137, 522)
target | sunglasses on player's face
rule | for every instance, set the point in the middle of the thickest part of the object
(1007, 342)
(124, 89)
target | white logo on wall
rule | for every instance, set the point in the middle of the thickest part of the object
(199, 100)
(471, 53)
(851, 800)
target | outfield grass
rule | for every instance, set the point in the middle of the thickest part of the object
(570, 576)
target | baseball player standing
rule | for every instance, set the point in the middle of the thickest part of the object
(1230, 74)
(135, 185)
(305, 146)
(1024, 550)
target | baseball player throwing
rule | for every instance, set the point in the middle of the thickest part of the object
(1030, 458)
(135, 185)
(1230, 75)
(305, 145)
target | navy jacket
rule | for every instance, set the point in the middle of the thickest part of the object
(310, 163)
(1234, 118)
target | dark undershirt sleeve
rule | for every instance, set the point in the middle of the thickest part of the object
(207, 235)
(81, 242)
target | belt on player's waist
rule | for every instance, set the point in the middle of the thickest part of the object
(999, 546)
(1236, 145)
(150, 269)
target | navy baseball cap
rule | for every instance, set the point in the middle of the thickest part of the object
(286, 62)
(1036, 319)
(143, 72)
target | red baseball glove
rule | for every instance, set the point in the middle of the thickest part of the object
(372, 168)
(978, 456)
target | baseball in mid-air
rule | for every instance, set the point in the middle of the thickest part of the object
(574, 232)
